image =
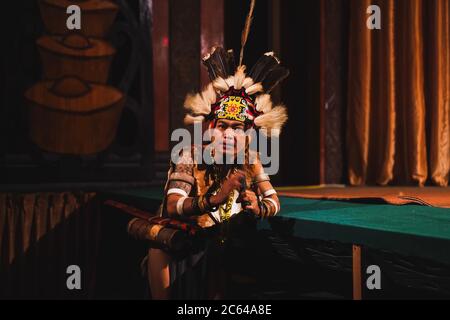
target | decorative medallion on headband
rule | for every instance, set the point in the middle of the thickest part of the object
(234, 94)
(235, 105)
(232, 108)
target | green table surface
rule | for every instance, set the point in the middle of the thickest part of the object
(409, 229)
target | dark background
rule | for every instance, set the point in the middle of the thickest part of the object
(299, 50)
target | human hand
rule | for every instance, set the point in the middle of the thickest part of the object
(234, 182)
(249, 202)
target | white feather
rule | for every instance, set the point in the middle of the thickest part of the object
(196, 104)
(274, 119)
(272, 54)
(248, 82)
(230, 81)
(209, 94)
(263, 103)
(239, 77)
(257, 87)
(221, 85)
(188, 119)
(206, 56)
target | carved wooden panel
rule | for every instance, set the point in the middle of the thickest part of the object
(128, 159)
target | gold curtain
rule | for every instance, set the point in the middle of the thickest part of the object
(398, 94)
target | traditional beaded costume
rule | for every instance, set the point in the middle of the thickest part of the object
(232, 95)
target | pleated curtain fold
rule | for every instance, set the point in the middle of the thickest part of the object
(398, 94)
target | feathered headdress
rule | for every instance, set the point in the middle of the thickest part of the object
(236, 95)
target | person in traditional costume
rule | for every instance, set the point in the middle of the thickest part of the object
(234, 102)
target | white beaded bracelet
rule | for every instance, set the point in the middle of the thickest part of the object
(181, 192)
(268, 193)
(275, 204)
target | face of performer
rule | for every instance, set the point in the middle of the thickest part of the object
(233, 136)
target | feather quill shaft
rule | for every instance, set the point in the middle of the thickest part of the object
(246, 31)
